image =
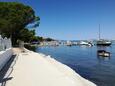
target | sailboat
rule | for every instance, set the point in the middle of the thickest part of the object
(103, 42)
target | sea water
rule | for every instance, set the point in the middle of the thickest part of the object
(85, 61)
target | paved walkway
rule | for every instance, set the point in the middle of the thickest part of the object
(33, 69)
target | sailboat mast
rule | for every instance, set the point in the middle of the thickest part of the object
(99, 33)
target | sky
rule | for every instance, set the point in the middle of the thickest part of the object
(74, 19)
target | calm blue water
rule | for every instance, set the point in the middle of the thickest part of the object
(84, 60)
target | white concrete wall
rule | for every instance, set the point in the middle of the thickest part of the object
(5, 56)
(5, 43)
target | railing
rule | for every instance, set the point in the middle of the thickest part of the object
(5, 43)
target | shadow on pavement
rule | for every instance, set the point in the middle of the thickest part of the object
(7, 70)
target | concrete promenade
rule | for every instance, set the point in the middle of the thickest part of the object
(34, 69)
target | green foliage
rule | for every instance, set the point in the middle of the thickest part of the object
(26, 35)
(40, 39)
(49, 39)
(14, 17)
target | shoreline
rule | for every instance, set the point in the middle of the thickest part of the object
(44, 71)
(69, 71)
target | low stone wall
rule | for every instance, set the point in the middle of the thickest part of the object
(5, 56)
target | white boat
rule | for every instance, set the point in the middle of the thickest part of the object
(85, 43)
(69, 43)
(103, 53)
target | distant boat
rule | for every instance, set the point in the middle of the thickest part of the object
(85, 43)
(68, 43)
(103, 42)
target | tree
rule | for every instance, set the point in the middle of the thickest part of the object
(49, 39)
(14, 17)
(26, 35)
(41, 39)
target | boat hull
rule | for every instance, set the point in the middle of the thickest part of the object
(103, 44)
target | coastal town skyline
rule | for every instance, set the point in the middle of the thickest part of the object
(74, 19)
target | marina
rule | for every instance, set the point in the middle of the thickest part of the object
(77, 43)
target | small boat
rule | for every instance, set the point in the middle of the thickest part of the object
(103, 53)
(68, 43)
(85, 43)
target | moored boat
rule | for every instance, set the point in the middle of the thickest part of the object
(103, 53)
(104, 43)
(86, 43)
(69, 43)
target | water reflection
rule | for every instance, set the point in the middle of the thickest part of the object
(103, 47)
